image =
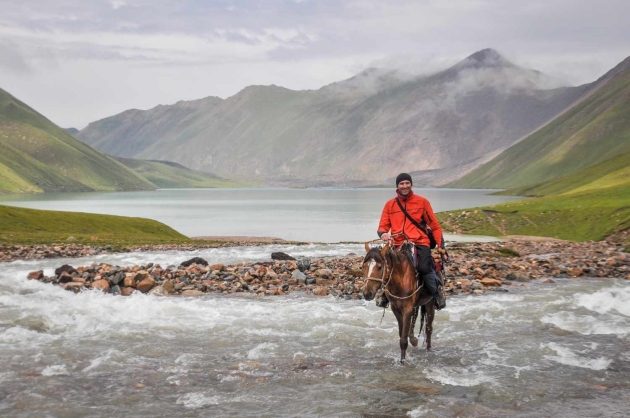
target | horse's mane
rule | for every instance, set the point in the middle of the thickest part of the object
(392, 257)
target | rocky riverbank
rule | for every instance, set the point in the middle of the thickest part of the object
(38, 252)
(474, 268)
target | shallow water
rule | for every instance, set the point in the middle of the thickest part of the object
(541, 350)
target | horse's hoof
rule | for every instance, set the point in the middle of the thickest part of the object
(429, 348)
(413, 341)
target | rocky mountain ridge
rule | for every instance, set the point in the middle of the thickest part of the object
(358, 131)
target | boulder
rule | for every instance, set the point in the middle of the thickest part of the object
(281, 256)
(36, 275)
(117, 277)
(298, 276)
(65, 268)
(126, 291)
(324, 273)
(65, 277)
(100, 284)
(304, 263)
(194, 260)
(73, 286)
(129, 280)
(146, 284)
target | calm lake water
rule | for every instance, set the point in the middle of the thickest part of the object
(322, 215)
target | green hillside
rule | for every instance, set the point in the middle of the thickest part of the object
(609, 173)
(38, 156)
(578, 216)
(595, 130)
(31, 226)
(167, 174)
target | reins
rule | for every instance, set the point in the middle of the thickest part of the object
(384, 284)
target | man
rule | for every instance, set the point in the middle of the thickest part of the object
(397, 226)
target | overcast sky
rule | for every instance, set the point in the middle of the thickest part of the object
(77, 61)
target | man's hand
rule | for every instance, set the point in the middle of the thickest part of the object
(441, 250)
(386, 236)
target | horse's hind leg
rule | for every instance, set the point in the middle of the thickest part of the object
(412, 339)
(429, 322)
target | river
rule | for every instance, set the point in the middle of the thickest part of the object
(540, 350)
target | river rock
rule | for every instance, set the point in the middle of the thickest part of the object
(281, 256)
(129, 280)
(486, 281)
(126, 291)
(517, 276)
(320, 291)
(65, 277)
(100, 284)
(168, 286)
(298, 276)
(146, 284)
(73, 286)
(324, 273)
(158, 291)
(194, 260)
(36, 275)
(303, 264)
(192, 292)
(66, 268)
(117, 277)
(217, 267)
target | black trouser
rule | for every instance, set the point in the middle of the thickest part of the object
(426, 268)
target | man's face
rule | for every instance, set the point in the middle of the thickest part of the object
(404, 187)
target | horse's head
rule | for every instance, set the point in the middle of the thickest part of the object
(375, 269)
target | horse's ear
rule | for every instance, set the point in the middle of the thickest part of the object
(367, 247)
(384, 249)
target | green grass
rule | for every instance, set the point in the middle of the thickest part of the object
(31, 226)
(578, 216)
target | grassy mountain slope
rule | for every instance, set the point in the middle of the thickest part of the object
(595, 130)
(609, 173)
(167, 174)
(29, 226)
(36, 155)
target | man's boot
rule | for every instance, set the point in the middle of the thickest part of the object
(440, 299)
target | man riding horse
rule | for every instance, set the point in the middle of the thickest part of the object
(404, 219)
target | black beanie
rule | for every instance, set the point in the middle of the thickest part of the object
(402, 177)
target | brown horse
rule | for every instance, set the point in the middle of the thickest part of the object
(393, 271)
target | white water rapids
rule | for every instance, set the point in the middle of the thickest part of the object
(540, 350)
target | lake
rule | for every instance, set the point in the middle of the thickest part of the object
(319, 214)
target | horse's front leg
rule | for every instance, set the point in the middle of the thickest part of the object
(429, 322)
(404, 337)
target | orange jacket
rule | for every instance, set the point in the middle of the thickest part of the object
(394, 220)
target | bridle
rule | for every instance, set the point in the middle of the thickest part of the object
(389, 278)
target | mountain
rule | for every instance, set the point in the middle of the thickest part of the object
(36, 155)
(594, 131)
(167, 174)
(363, 130)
